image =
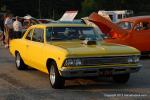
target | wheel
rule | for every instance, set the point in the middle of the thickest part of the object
(19, 62)
(123, 78)
(56, 80)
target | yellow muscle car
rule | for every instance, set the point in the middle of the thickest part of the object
(67, 51)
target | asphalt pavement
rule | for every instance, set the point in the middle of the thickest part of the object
(34, 85)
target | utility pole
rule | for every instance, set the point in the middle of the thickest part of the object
(53, 13)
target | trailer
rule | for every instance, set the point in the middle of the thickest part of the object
(116, 15)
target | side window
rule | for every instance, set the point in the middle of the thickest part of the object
(142, 26)
(48, 34)
(29, 35)
(38, 35)
(111, 17)
(119, 16)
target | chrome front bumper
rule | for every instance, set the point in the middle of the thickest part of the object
(105, 71)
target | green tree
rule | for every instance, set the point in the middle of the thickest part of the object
(88, 6)
(56, 8)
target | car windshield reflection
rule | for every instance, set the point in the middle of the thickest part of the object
(71, 33)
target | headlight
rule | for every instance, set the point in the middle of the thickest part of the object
(136, 59)
(78, 62)
(69, 62)
(133, 59)
(130, 60)
(73, 62)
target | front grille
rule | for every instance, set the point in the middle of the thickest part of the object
(104, 60)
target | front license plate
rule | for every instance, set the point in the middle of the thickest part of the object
(105, 73)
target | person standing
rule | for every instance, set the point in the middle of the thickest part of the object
(17, 26)
(8, 29)
(2, 28)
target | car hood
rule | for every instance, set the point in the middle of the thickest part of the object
(106, 26)
(76, 48)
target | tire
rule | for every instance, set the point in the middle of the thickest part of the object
(19, 62)
(121, 79)
(56, 81)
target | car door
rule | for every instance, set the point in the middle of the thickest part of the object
(25, 45)
(35, 49)
(141, 36)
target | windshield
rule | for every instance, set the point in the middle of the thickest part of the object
(125, 25)
(71, 33)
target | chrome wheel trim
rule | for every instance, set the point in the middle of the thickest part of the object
(52, 75)
(18, 60)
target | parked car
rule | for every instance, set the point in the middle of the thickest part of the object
(75, 21)
(133, 31)
(45, 21)
(67, 51)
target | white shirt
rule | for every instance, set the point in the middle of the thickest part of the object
(9, 23)
(17, 26)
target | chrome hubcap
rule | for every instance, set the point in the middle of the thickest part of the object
(52, 75)
(18, 60)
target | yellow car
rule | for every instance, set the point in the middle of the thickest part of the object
(67, 51)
